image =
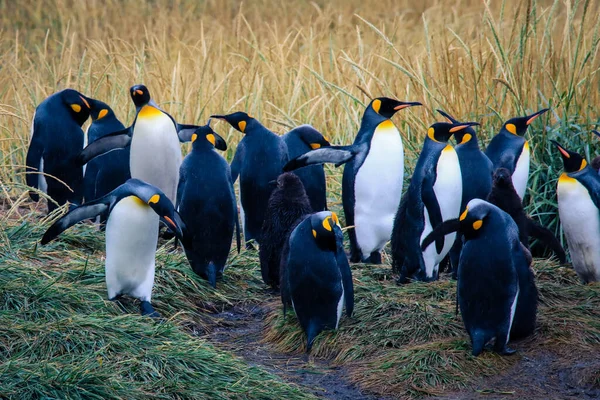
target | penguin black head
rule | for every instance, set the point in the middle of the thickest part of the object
(442, 131)
(323, 226)
(291, 185)
(205, 135)
(502, 177)
(78, 105)
(518, 126)
(99, 110)
(387, 107)
(462, 136)
(140, 95)
(239, 120)
(572, 161)
(312, 137)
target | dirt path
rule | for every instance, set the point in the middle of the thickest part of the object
(239, 330)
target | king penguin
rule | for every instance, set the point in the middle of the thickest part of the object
(258, 160)
(509, 149)
(154, 136)
(433, 196)
(299, 141)
(206, 203)
(476, 170)
(596, 160)
(372, 180)
(578, 193)
(56, 140)
(317, 280)
(134, 210)
(497, 296)
(104, 173)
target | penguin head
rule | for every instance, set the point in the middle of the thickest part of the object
(312, 137)
(324, 225)
(140, 95)
(99, 110)
(462, 136)
(239, 120)
(474, 217)
(518, 126)
(502, 177)
(387, 107)
(205, 135)
(78, 105)
(573, 162)
(442, 131)
(291, 186)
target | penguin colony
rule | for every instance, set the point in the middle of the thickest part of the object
(463, 206)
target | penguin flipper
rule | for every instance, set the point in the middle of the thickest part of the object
(33, 161)
(238, 160)
(547, 237)
(78, 214)
(433, 208)
(337, 155)
(443, 229)
(113, 141)
(344, 266)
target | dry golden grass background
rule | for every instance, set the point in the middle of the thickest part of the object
(294, 62)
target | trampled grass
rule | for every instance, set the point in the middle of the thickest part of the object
(287, 63)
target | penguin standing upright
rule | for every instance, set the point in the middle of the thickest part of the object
(496, 292)
(316, 276)
(509, 149)
(105, 173)
(578, 193)
(258, 160)
(206, 203)
(56, 140)
(288, 204)
(154, 136)
(476, 170)
(134, 210)
(372, 180)
(434, 195)
(596, 160)
(299, 141)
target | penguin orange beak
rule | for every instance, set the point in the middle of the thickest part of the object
(406, 105)
(463, 126)
(561, 149)
(138, 91)
(532, 117)
(85, 102)
(173, 226)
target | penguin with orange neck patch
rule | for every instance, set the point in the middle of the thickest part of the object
(434, 196)
(372, 180)
(509, 149)
(578, 193)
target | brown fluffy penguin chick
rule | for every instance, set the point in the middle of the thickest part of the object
(505, 197)
(287, 205)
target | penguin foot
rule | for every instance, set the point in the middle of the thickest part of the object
(146, 309)
(118, 303)
(374, 258)
(355, 257)
(507, 351)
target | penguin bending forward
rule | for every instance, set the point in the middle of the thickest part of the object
(134, 210)
(372, 180)
(578, 192)
(433, 196)
(206, 203)
(288, 205)
(316, 276)
(497, 296)
(509, 149)
(56, 140)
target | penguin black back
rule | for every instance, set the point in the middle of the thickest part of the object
(299, 141)
(206, 203)
(56, 140)
(288, 204)
(259, 159)
(104, 173)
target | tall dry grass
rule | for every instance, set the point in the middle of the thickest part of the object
(293, 62)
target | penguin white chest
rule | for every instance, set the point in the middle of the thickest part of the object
(580, 219)
(448, 192)
(378, 188)
(131, 239)
(155, 151)
(521, 173)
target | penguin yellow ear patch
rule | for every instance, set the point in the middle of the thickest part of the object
(464, 214)
(511, 128)
(194, 137)
(430, 134)
(76, 107)
(477, 224)
(335, 218)
(466, 138)
(376, 105)
(211, 138)
(154, 199)
(327, 224)
(583, 164)
(242, 126)
(315, 146)
(102, 113)
(314, 233)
